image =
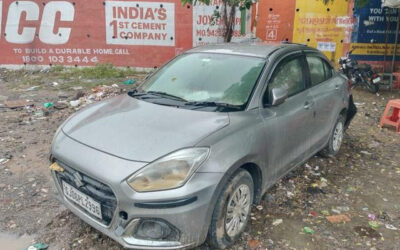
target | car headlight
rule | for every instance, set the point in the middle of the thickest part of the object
(171, 171)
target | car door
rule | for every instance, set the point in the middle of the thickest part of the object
(287, 126)
(325, 91)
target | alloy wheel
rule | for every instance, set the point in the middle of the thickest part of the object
(237, 210)
(337, 136)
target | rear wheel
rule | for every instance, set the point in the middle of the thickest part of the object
(371, 86)
(232, 211)
(335, 139)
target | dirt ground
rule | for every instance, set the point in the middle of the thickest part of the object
(362, 182)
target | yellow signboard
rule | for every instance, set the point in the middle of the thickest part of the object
(374, 49)
(323, 26)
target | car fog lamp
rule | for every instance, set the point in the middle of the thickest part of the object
(152, 229)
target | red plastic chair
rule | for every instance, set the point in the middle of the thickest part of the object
(396, 80)
(391, 115)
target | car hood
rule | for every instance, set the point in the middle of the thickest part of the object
(141, 131)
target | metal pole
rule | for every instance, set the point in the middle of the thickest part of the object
(386, 40)
(395, 47)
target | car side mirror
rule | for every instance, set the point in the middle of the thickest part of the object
(278, 96)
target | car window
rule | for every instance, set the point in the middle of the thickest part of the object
(289, 75)
(317, 70)
(328, 70)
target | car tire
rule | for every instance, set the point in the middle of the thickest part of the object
(335, 139)
(370, 85)
(373, 87)
(225, 229)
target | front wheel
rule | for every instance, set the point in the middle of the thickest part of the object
(232, 211)
(335, 139)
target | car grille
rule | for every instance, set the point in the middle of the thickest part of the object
(93, 188)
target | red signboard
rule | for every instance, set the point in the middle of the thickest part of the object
(124, 33)
(275, 20)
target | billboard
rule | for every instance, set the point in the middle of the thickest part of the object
(275, 20)
(147, 33)
(374, 30)
(206, 30)
(332, 26)
(125, 33)
(140, 23)
(324, 25)
(373, 23)
(144, 33)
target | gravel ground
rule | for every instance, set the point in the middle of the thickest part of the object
(361, 184)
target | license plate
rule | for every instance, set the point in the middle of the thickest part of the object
(83, 200)
(378, 79)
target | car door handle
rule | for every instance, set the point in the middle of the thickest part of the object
(308, 104)
(337, 86)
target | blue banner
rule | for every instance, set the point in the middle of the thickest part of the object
(373, 24)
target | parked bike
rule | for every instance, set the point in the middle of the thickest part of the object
(359, 74)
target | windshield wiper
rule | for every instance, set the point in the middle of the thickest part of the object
(164, 94)
(156, 94)
(135, 92)
(214, 104)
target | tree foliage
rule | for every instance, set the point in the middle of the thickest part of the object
(361, 3)
(326, 2)
(227, 13)
(358, 3)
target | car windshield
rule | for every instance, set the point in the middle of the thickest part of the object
(206, 78)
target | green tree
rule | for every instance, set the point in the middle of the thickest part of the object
(361, 3)
(326, 2)
(227, 13)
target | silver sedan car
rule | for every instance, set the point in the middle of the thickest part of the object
(183, 157)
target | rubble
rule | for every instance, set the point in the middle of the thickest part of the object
(61, 105)
(277, 222)
(253, 244)
(366, 232)
(77, 88)
(3, 161)
(338, 218)
(32, 88)
(371, 216)
(129, 81)
(373, 224)
(37, 246)
(17, 104)
(75, 103)
(308, 230)
(390, 227)
(98, 93)
(48, 105)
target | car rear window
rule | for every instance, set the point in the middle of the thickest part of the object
(328, 70)
(317, 70)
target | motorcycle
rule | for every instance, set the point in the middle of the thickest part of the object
(359, 74)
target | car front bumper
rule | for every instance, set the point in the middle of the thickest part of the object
(187, 209)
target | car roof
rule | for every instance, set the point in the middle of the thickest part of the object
(255, 49)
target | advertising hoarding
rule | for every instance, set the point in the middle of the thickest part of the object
(82, 33)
